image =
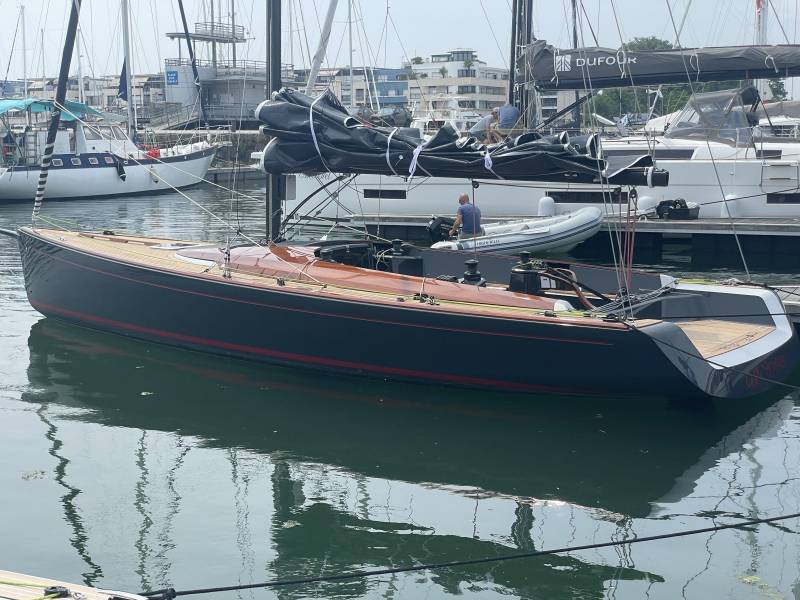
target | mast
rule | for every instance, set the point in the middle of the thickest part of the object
(762, 15)
(576, 115)
(512, 56)
(80, 70)
(276, 190)
(44, 77)
(24, 51)
(193, 62)
(350, 52)
(126, 42)
(291, 33)
(322, 47)
(61, 92)
(233, 29)
(213, 44)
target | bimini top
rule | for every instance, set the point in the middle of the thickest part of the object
(70, 112)
(318, 135)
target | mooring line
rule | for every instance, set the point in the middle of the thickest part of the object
(170, 593)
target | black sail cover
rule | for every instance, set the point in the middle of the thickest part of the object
(314, 136)
(550, 68)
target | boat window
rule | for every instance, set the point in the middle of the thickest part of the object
(75, 161)
(385, 194)
(119, 134)
(93, 160)
(57, 162)
(105, 132)
(588, 197)
(91, 133)
(783, 198)
(109, 160)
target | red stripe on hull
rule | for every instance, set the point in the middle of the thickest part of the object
(291, 357)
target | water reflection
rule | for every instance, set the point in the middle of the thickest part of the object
(326, 474)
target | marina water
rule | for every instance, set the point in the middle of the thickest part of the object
(135, 466)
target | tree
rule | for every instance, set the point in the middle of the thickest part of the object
(443, 71)
(778, 90)
(417, 60)
(648, 43)
(468, 63)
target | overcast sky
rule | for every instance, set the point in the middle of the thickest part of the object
(421, 27)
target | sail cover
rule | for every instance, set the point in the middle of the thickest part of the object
(318, 135)
(593, 68)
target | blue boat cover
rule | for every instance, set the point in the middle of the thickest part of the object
(72, 109)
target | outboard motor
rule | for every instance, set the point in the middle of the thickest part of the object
(439, 228)
(472, 276)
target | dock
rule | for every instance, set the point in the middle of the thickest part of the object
(224, 174)
(17, 586)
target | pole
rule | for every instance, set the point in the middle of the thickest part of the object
(61, 92)
(322, 47)
(350, 53)
(24, 52)
(512, 56)
(277, 183)
(126, 43)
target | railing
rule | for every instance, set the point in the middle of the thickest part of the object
(228, 67)
(219, 29)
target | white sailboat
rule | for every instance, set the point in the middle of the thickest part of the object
(92, 157)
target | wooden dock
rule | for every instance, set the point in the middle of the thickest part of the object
(224, 175)
(16, 586)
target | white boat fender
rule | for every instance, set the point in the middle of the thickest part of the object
(153, 174)
(547, 207)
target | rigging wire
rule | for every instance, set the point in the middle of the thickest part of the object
(11, 52)
(491, 29)
(170, 593)
(708, 144)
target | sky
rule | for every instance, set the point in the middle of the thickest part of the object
(413, 27)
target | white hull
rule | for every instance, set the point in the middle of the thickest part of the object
(545, 234)
(745, 183)
(103, 180)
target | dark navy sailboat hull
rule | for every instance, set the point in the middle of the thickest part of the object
(401, 341)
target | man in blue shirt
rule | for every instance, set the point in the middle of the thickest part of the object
(508, 115)
(468, 218)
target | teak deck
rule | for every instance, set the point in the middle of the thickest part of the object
(711, 337)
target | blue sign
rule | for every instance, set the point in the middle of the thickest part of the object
(172, 78)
